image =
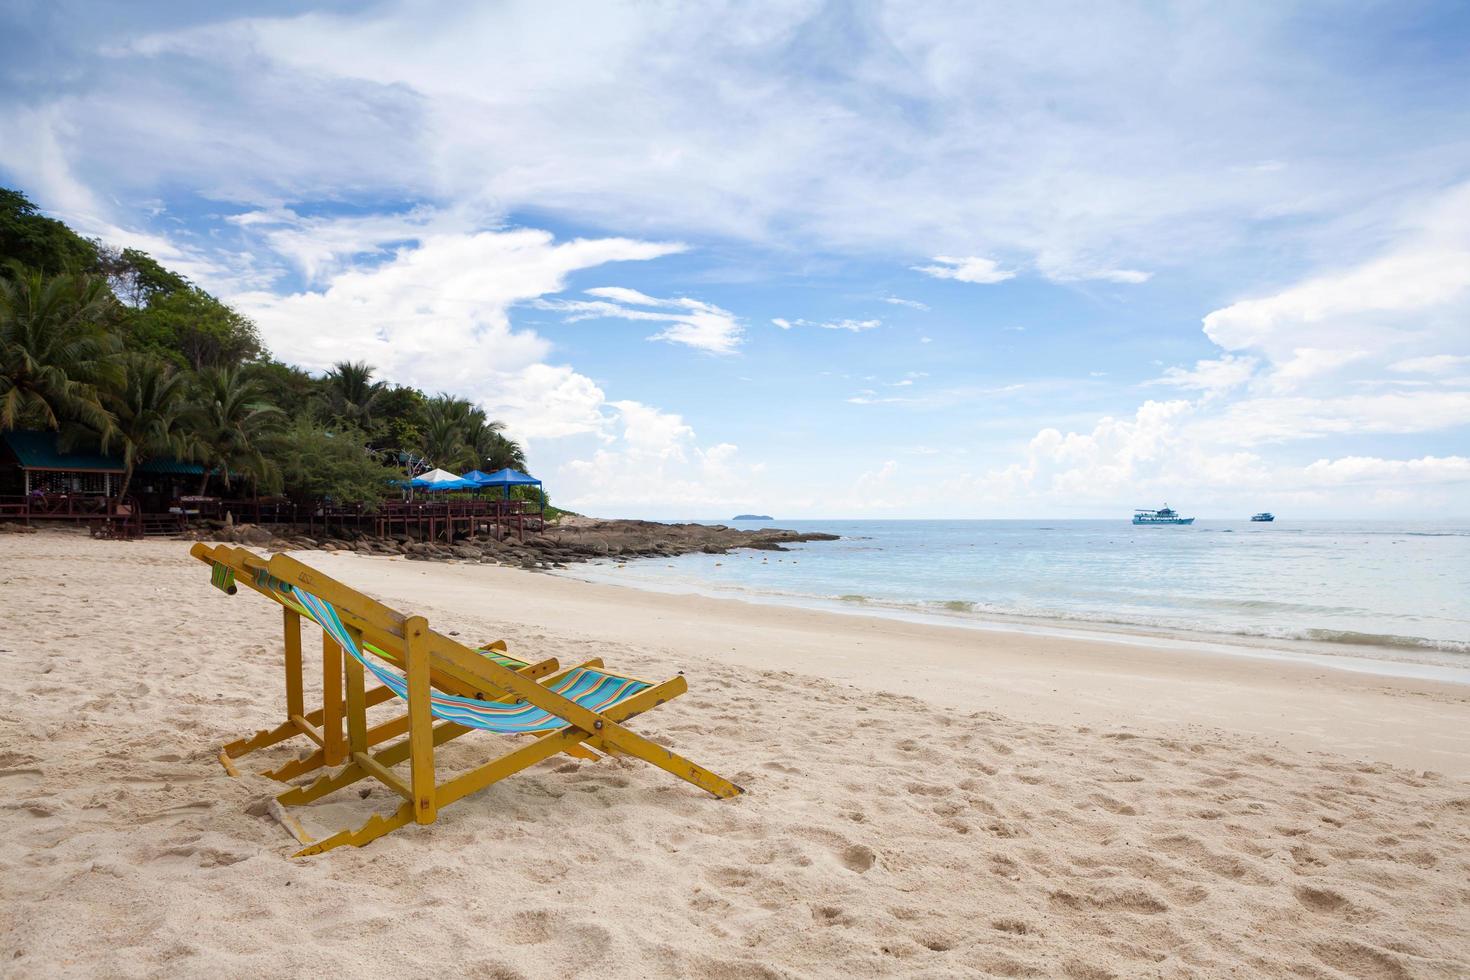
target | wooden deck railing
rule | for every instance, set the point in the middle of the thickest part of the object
(426, 520)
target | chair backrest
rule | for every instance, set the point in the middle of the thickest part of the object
(382, 633)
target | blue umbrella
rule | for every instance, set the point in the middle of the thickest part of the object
(507, 478)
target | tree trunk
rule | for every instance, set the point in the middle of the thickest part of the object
(127, 479)
(204, 483)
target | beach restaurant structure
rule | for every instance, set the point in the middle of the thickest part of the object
(38, 479)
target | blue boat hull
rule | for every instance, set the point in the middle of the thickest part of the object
(1170, 520)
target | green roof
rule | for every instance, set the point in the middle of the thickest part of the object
(39, 451)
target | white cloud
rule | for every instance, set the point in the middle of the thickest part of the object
(694, 323)
(1320, 312)
(869, 398)
(1294, 368)
(435, 313)
(966, 130)
(1432, 364)
(1254, 421)
(912, 304)
(855, 326)
(1213, 377)
(544, 401)
(1129, 276)
(1369, 469)
(654, 463)
(971, 269)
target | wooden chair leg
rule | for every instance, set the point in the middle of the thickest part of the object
(332, 746)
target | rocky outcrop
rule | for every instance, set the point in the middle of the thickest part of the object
(575, 539)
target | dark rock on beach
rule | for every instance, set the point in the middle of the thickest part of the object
(574, 539)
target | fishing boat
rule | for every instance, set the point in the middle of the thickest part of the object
(1264, 517)
(1161, 516)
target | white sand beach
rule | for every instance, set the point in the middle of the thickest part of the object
(922, 800)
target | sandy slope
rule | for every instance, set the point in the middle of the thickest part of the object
(920, 803)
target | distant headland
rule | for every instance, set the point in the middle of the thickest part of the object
(752, 517)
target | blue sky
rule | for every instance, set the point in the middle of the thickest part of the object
(862, 260)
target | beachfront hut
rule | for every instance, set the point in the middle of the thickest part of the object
(33, 465)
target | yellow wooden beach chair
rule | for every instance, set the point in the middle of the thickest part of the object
(229, 566)
(581, 707)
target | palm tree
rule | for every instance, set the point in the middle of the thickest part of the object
(352, 394)
(445, 431)
(230, 421)
(503, 453)
(55, 350)
(149, 412)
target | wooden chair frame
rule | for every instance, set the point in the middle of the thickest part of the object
(422, 653)
(324, 725)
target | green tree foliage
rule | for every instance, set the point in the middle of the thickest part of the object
(397, 419)
(55, 353)
(498, 452)
(317, 463)
(113, 349)
(443, 431)
(38, 242)
(136, 277)
(150, 414)
(232, 423)
(194, 329)
(456, 435)
(352, 395)
(284, 385)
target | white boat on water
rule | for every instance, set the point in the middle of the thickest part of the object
(1161, 516)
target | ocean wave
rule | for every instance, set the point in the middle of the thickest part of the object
(1391, 640)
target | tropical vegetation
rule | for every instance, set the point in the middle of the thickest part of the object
(117, 353)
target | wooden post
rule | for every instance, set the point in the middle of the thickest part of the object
(357, 739)
(332, 750)
(420, 721)
(295, 702)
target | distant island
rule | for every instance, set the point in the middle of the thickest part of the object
(752, 517)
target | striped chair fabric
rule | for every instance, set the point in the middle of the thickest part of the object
(591, 689)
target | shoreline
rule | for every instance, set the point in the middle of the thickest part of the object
(922, 800)
(1342, 655)
(1156, 687)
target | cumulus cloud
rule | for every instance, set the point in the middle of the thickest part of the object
(435, 313)
(967, 132)
(1281, 380)
(653, 462)
(970, 269)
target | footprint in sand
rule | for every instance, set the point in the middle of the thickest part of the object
(14, 779)
(857, 857)
(1322, 899)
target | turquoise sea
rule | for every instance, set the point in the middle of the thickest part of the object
(1393, 591)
